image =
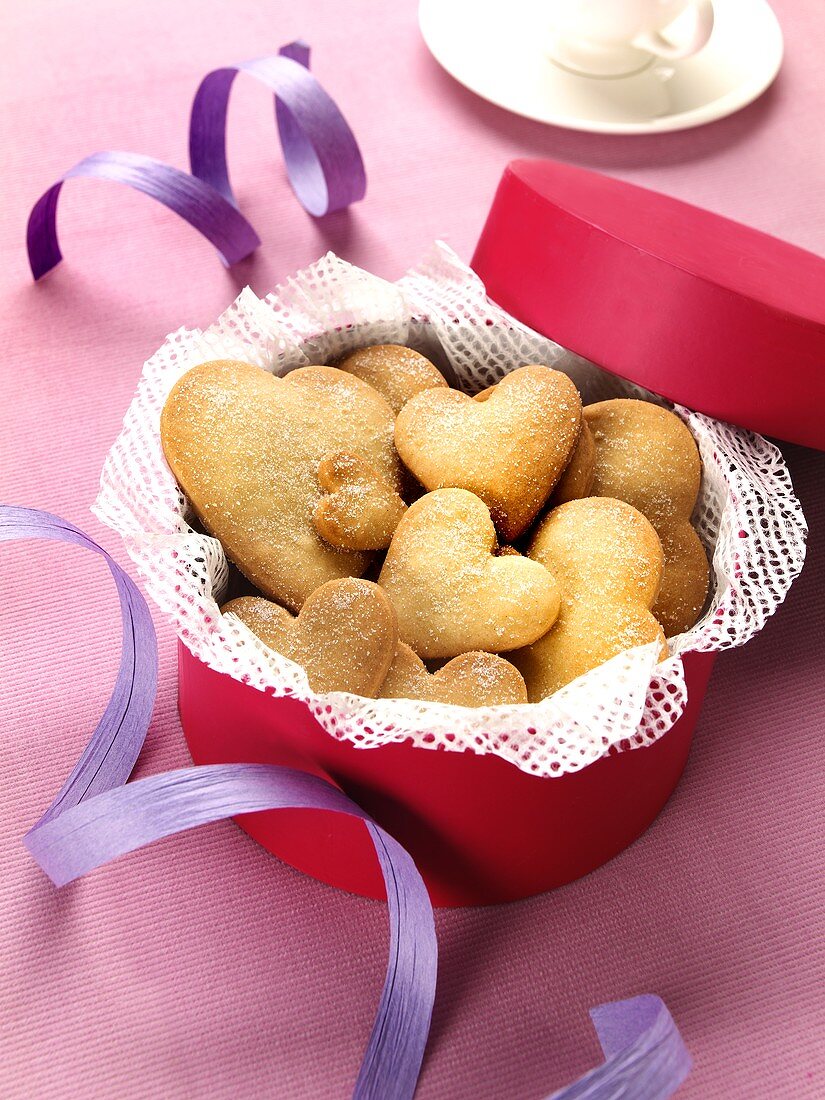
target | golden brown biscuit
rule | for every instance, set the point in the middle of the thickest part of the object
(577, 479)
(359, 509)
(471, 680)
(398, 373)
(509, 445)
(646, 455)
(608, 561)
(245, 447)
(344, 638)
(450, 591)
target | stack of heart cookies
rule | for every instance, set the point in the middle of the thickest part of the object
(513, 522)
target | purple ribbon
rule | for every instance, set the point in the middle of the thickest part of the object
(115, 745)
(645, 1057)
(118, 821)
(322, 159)
(97, 817)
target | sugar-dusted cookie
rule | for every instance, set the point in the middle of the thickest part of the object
(451, 593)
(360, 509)
(608, 561)
(509, 445)
(398, 373)
(577, 479)
(245, 447)
(471, 680)
(345, 636)
(647, 456)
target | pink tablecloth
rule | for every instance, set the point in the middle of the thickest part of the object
(202, 967)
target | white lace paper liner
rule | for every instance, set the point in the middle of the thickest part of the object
(747, 515)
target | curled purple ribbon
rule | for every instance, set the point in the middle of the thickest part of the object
(115, 745)
(322, 157)
(645, 1056)
(120, 820)
(196, 202)
(97, 817)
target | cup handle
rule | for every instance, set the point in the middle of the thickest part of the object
(656, 42)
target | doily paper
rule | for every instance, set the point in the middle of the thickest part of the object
(747, 515)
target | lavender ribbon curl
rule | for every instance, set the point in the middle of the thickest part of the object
(322, 159)
(645, 1056)
(97, 817)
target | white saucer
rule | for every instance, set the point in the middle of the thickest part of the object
(495, 48)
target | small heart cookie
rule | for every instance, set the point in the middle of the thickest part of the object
(360, 510)
(451, 592)
(471, 680)
(245, 446)
(646, 455)
(509, 445)
(608, 560)
(344, 638)
(398, 373)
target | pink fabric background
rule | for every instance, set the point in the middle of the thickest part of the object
(202, 967)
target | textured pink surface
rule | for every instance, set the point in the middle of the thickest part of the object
(202, 967)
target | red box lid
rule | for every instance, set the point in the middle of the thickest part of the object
(693, 306)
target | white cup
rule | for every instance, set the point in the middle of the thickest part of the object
(618, 37)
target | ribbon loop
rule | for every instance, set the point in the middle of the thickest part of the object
(645, 1057)
(322, 158)
(97, 817)
(193, 200)
(115, 745)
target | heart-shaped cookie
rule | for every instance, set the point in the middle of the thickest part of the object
(509, 445)
(398, 373)
(471, 680)
(646, 455)
(345, 636)
(451, 592)
(360, 509)
(608, 560)
(245, 447)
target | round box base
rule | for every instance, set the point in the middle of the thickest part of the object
(480, 830)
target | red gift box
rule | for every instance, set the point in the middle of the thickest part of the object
(693, 307)
(479, 829)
